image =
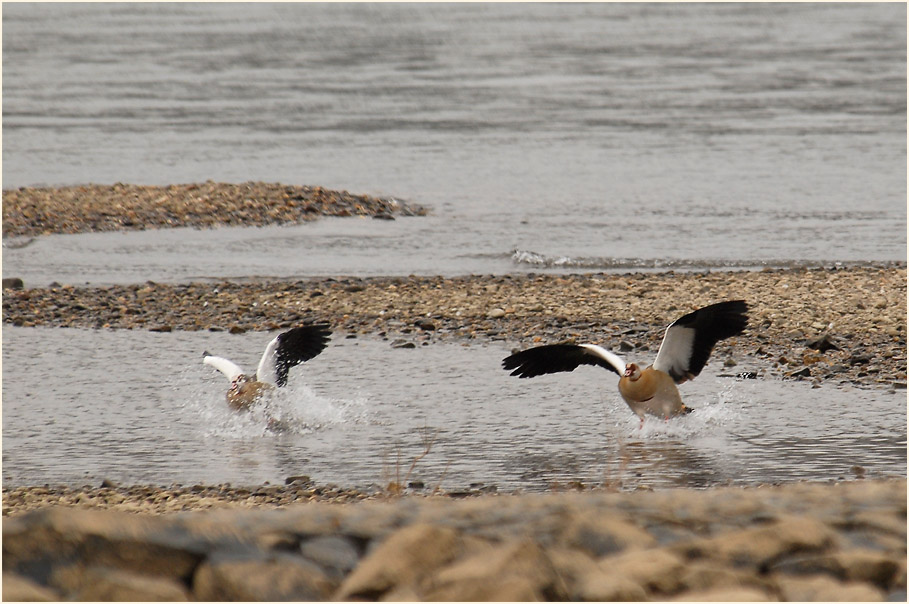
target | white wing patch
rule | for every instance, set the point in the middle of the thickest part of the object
(674, 356)
(228, 368)
(267, 371)
(611, 358)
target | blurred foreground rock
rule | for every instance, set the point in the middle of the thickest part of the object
(800, 542)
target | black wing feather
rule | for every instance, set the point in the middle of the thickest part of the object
(712, 324)
(552, 358)
(298, 345)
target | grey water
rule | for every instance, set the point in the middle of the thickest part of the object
(143, 409)
(543, 137)
(555, 137)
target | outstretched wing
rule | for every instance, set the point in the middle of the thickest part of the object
(289, 349)
(555, 358)
(228, 368)
(690, 339)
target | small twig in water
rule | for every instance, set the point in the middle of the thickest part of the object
(396, 487)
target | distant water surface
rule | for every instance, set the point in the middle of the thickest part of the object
(556, 137)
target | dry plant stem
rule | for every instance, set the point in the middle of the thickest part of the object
(438, 488)
(397, 486)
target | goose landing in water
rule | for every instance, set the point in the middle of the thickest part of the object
(288, 349)
(686, 347)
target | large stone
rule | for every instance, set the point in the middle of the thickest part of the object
(110, 585)
(822, 343)
(56, 535)
(375, 521)
(763, 545)
(899, 578)
(571, 565)
(510, 588)
(702, 575)
(402, 593)
(869, 566)
(892, 524)
(313, 519)
(603, 535)
(17, 588)
(657, 570)
(726, 594)
(275, 576)
(403, 558)
(600, 586)
(822, 588)
(337, 555)
(857, 564)
(513, 571)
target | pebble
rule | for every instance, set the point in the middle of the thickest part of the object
(400, 343)
(13, 283)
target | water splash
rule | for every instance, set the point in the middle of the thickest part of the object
(712, 415)
(528, 257)
(296, 409)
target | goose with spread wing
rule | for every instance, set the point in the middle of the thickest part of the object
(287, 350)
(686, 346)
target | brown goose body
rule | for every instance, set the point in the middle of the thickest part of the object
(245, 392)
(653, 393)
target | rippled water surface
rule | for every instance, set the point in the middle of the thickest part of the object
(142, 408)
(543, 136)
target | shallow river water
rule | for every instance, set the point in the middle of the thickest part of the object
(142, 408)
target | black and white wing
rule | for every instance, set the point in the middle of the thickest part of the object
(555, 358)
(289, 349)
(228, 368)
(690, 339)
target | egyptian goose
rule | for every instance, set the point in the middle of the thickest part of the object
(686, 346)
(285, 351)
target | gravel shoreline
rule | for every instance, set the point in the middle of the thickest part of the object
(156, 500)
(822, 325)
(32, 211)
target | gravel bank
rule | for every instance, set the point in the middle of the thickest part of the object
(818, 324)
(799, 542)
(154, 500)
(31, 211)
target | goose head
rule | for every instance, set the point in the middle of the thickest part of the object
(632, 372)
